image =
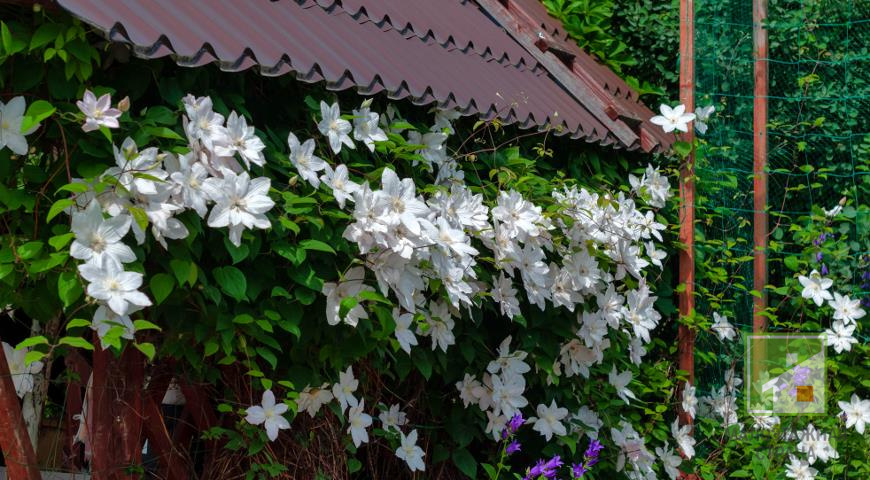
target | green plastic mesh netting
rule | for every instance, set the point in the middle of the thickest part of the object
(818, 140)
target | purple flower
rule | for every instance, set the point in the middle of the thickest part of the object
(535, 471)
(865, 301)
(578, 470)
(593, 449)
(551, 467)
(516, 422)
(824, 269)
(547, 469)
(819, 257)
(513, 447)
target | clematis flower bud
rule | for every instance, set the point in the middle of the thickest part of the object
(124, 104)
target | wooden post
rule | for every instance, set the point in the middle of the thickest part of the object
(686, 337)
(100, 410)
(759, 164)
(14, 440)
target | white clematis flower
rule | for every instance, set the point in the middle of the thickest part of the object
(366, 128)
(846, 309)
(800, 469)
(393, 418)
(302, 157)
(240, 203)
(410, 452)
(723, 328)
(189, 181)
(350, 286)
(269, 415)
(670, 461)
(334, 127)
(343, 390)
(358, 422)
(856, 412)
(702, 116)
(11, 118)
(239, 138)
(683, 438)
(342, 188)
(816, 287)
(549, 420)
(98, 111)
(98, 237)
(690, 401)
(840, 336)
(620, 383)
(111, 284)
(816, 445)
(105, 319)
(404, 335)
(674, 118)
(311, 399)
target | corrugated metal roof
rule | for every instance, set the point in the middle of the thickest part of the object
(447, 52)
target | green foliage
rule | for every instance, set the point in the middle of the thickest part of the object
(638, 39)
(244, 317)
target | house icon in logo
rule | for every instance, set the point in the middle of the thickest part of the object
(786, 374)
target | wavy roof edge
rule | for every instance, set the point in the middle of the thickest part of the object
(518, 73)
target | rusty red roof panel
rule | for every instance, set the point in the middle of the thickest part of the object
(443, 52)
(453, 24)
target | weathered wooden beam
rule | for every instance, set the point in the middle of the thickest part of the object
(14, 440)
(581, 91)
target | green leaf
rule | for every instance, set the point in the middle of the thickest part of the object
(211, 347)
(45, 34)
(78, 322)
(36, 112)
(58, 242)
(162, 132)
(237, 253)
(305, 275)
(347, 304)
(31, 341)
(161, 286)
(69, 289)
(58, 207)
(6, 38)
(465, 462)
(243, 319)
(33, 356)
(139, 216)
(140, 325)
(791, 262)
(232, 281)
(30, 250)
(373, 297)
(316, 245)
(353, 465)
(423, 362)
(490, 471)
(268, 356)
(147, 349)
(74, 188)
(683, 149)
(76, 342)
(184, 271)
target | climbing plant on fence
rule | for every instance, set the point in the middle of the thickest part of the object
(341, 287)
